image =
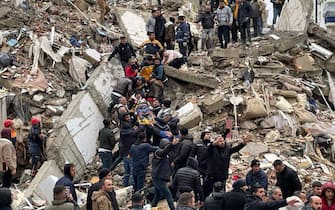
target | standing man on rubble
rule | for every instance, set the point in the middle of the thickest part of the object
(150, 25)
(243, 18)
(206, 19)
(224, 17)
(125, 51)
(107, 143)
(287, 179)
(182, 36)
(7, 161)
(277, 7)
(218, 158)
(67, 180)
(36, 144)
(160, 26)
(170, 33)
(104, 10)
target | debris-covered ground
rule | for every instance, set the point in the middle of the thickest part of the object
(279, 89)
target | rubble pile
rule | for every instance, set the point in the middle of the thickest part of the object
(279, 89)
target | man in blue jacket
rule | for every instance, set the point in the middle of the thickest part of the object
(182, 35)
(256, 175)
(67, 180)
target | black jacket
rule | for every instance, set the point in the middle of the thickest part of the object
(160, 28)
(200, 151)
(106, 138)
(214, 201)
(95, 187)
(256, 203)
(6, 199)
(128, 136)
(244, 11)
(67, 180)
(186, 149)
(189, 176)
(234, 200)
(161, 168)
(218, 160)
(206, 19)
(288, 181)
(124, 86)
(125, 52)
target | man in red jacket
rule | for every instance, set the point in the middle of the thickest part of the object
(327, 196)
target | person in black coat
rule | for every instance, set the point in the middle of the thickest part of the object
(200, 151)
(186, 149)
(236, 198)
(287, 179)
(104, 173)
(215, 200)
(6, 198)
(67, 180)
(125, 51)
(160, 27)
(189, 176)
(161, 172)
(255, 202)
(218, 158)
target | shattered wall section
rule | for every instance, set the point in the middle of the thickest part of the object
(295, 16)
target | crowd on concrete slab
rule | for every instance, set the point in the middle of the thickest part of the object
(192, 112)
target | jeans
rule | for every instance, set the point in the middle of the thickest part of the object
(106, 158)
(276, 13)
(128, 178)
(257, 24)
(207, 34)
(245, 30)
(224, 30)
(36, 154)
(139, 177)
(161, 189)
(234, 30)
(209, 182)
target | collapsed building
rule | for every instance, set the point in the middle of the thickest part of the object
(280, 89)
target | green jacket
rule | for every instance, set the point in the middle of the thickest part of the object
(60, 205)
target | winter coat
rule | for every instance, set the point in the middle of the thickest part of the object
(244, 12)
(6, 198)
(150, 25)
(60, 205)
(158, 72)
(200, 151)
(128, 136)
(218, 160)
(214, 201)
(125, 52)
(256, 10)
(255, 203)
(151, 47)
(234, 200)
(96, 187)
(186, 149)
(140, 154)
(161, 168)
(123, 86)
(67, 180)
(160, 27)
(288, 181)
(106, 138)
(224, 16)
(259, 177)
(325, 206)
(170, 31)
(7, 155)
(182, 32)
(101, 200)
(206, 19)
(189, 176)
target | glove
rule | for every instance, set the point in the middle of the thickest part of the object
(185, 44)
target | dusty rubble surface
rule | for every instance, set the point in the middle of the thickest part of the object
(281, 85)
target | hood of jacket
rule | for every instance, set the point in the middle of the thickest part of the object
(327, 185)
(6, 197)
(192, 163)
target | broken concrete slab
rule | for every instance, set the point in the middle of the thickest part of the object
(204, 80)
(291, 20)
(190, 115)
(255, 149)
(231, 53)
(214, 103)
(305, 63)
(133, 25)
(321, 33)
(4, 11)
(290, 42)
